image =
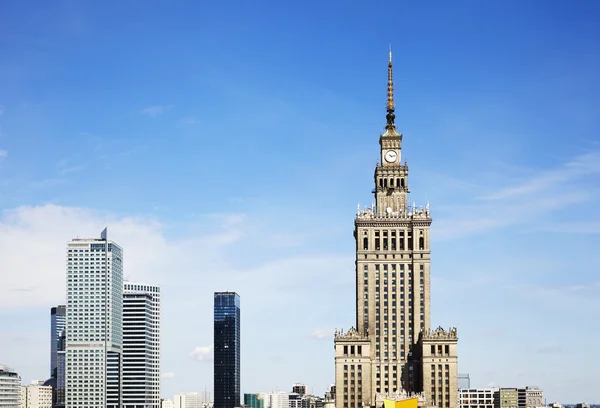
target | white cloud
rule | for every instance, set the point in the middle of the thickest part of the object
(3, 154)
(44, 230)
(202, 353)
(156, 110)
(525, 203)
(579, 166)
(168, 375)
(322, 334)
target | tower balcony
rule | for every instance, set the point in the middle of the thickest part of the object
(412, 213)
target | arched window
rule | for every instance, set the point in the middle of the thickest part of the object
(380, 182)
(365, 243)
(385, 182)
(421, 243)
(402, 182)
(398, 182)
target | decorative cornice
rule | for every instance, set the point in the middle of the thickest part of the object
(440, 334)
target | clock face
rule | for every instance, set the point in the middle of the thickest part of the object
(391, 156)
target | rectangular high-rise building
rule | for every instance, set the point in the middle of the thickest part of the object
(10, 388)
(226, 350)
(58, 317)
(141, 345)
(392, 353)
(94, 326)
(58, 394)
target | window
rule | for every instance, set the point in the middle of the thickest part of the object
(365, 243)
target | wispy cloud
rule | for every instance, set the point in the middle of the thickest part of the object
(580, 166)
(168, 375)
(202, 353)
(322, 334)
(526, 203)
(65, 167)
(156, 110)
(576, 227)
(3, 154)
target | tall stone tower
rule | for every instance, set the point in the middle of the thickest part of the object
(392, 352)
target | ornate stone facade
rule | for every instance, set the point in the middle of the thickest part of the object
(392, 293)
(439, 372)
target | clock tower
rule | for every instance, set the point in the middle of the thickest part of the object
(391, 176)
(391, 353)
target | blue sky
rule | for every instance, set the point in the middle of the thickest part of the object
(226, 147)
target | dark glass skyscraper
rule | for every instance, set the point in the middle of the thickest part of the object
(227, 350)
(57, 325)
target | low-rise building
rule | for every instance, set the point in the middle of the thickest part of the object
(531, 397)
(36, 396)
(476, 397)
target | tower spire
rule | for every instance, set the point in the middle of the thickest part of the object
(390, 105)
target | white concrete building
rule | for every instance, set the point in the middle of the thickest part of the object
(10, 388)
(187, 400)
(476, 397)
(278, 399)
(36, 396)
(94, 323)
(204, 397)
(141, 345)
(166, 403)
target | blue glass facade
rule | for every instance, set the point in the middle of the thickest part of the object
(227, 350)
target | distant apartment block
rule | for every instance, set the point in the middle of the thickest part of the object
(166, 403)
(204, 397)
(36, 396)
(10, 387)
(506, 398)
(528, 397)
(476, 397)
(464, 381)
(313, 401)
(299, 389)
(279, 399)
(253, 401)
(187, 400)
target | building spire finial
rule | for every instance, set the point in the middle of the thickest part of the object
(390, 105)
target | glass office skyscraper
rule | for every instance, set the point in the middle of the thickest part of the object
(94, 341)
(58, 317)
(227, 350)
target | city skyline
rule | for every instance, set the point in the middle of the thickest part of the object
(497, 104)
